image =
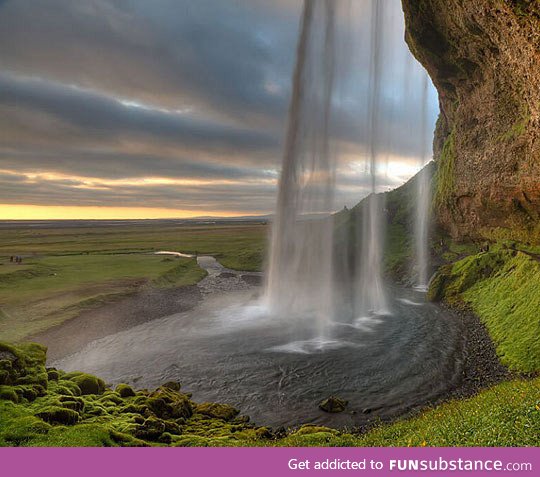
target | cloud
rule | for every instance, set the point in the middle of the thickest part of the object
(102, 118)
(123, 90)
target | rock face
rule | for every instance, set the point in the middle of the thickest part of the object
(484, 59)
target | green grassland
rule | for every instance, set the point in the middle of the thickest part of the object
(238, 246)
(68, 270)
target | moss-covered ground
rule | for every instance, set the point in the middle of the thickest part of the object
(502, 286)
(47, 407)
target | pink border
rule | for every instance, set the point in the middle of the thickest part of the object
(239, 462)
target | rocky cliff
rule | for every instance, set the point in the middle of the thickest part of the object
(484, 59)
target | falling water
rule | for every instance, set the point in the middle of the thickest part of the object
(300, 277)
(423, 199)
(371, 296)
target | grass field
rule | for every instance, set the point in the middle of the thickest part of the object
(238, 246)
(68, 270)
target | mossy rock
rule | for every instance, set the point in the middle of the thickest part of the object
(127, 440)
(8, 353)
(217, 411)
(125, 391)
(59, 415)
(87, 383)
(172, 385)
(436, 289)
(169, 404)
(7, 393)
(53, 374)
(6, 364)
(67, 388)
(76, 404)
(310, 429)
(333, 404)
(5, 377)
(30, 392)
(111, 397)
(151, 429)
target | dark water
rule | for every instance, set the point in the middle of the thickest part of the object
(275, 372)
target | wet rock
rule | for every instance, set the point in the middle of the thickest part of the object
(483, 59)
(172, 385)
(333, 404)
(253, 280)
(241, 419)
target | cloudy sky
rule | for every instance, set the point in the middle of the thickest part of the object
(177, 108)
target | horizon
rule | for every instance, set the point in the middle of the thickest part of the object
(178, 110)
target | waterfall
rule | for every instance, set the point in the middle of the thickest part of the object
(371, 297)
(372, 117)
(423, 198)
(300, 275)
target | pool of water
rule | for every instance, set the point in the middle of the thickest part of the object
(277, 370)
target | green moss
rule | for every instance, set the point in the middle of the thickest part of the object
(217, 411)
(507, 415)
(445, 173)
(125, 391)
(501, 287)
(53, 374)
(451, 281)
(517, 129)
(7, 393)
(59, 415)
(509, 304)
(398, 250)
(309, 429)
(87, 383)
(65, 387)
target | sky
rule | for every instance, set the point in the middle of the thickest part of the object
(175, 108)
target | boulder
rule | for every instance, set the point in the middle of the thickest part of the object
(87, 383)
(333, 404)
(125, 391)
(217, 411)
